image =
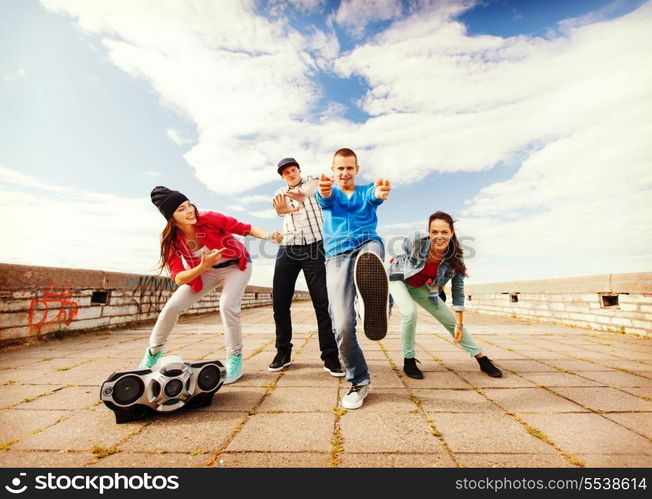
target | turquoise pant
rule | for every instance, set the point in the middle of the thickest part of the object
(406, 297)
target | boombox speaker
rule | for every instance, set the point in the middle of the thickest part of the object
(170, 385)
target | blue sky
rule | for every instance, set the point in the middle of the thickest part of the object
(526, 120)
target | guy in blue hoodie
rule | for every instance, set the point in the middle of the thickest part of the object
(354, 265)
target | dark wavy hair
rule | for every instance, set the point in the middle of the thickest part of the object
(168, 236)
(454, 253)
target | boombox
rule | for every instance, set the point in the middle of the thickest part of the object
(170, 385)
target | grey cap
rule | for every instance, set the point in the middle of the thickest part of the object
(287, 162)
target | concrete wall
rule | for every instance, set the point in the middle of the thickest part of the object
(36, 302)
(609, 302)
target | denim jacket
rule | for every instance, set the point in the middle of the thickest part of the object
(412, 261)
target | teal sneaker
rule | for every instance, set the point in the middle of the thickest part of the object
(233, 368)
(149, 360)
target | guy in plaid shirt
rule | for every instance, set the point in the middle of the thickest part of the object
(302, 248)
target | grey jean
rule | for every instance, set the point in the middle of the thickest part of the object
(234, 282)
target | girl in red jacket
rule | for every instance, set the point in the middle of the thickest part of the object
(200, 252)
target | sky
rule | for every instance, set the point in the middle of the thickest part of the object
(525, 120)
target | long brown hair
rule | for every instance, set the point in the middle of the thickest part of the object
(168, 237)
(454, 252)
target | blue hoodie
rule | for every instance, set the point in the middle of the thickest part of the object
(349, 221)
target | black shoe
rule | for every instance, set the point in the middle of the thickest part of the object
(333, 366)
(410, 368)
(488, 367)
(372, 286)
(281, 360)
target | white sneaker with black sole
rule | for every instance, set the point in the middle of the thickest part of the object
(355, 397)
(372, 287)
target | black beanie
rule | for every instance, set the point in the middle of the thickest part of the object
(167, 201)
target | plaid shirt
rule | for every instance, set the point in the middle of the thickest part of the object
(305, 224)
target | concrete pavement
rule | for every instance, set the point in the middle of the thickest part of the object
(569, 397)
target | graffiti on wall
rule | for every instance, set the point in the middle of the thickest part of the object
(153, 287)
(53, 307)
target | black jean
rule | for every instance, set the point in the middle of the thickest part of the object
(290, 260)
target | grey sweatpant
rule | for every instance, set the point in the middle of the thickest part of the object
(234, 283)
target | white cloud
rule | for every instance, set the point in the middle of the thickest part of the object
(355, 15)
(257, 198)
(16, 75)
(237, 207)
(177, 137)
(269, 213)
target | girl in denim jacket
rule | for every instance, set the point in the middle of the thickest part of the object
(418, 276)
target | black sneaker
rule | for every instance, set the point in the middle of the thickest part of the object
(372, 287)
(488, 367)
(410, 368)
(281, 360)
(333, 366)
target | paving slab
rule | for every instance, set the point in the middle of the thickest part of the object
(21, 376)
(185, 431)
(618, 379)
(285, 432)
(588, 434)
(628, 365)
(444, 379)
(273, 460)
(233, 398)
(481, 380)
(605, 399)
(640, 422)
(485, 460)
(308, 375)
(16, 423)
(645, 393)
(300, 399)
(559, 379)
(385, 400)
(490, 432)
(80, 431)
(531, 400)
(11, 395)
(385, 377)
(67, 398)
(538, 354)
(616, 460)
(525, 366)
(56, 459)
(387, 432)
(123, 459)
(394, 460)
(577, 366)
(443, 400)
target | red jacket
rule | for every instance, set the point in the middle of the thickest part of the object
(216, 232)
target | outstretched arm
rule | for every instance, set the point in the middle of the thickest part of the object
(260, 233)
(383, 188)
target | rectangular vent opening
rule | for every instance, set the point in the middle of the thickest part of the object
(100, 298)
(609, 301)
(513, 297)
